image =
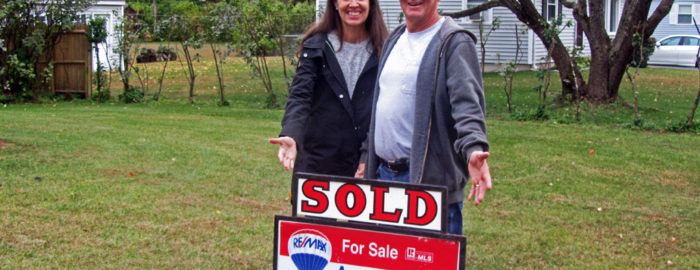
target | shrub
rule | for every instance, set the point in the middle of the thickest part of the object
(29, 30)
(133, 94)
(101, 96)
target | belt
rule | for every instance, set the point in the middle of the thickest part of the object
(396, 167)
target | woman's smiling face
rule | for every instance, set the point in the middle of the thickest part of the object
(353, 13)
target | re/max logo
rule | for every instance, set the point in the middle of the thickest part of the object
(305, 241)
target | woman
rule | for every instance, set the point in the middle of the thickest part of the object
(329, 104)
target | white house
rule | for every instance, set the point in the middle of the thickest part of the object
(679, 20)
(501, 44)
(113, 12)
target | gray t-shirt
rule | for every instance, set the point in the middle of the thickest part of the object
(352, 59)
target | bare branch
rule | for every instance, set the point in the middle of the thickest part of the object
(659, 13)
(468, 12)
(568, 4)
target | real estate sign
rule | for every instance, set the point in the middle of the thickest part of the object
(370, 201)
(311, 243)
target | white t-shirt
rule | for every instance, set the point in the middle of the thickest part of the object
(397, 94)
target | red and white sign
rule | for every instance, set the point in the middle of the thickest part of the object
(379, 202)
(307, 243)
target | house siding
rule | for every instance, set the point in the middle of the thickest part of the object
(113, 11)
(500, 46)
(665, 28)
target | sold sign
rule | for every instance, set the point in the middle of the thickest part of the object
(373, 201)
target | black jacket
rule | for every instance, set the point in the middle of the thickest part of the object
(327, 125)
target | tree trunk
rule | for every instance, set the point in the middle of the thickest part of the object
(528, 14)
(99, 70)
(608, 58)
(218, 74)
(190, 72)
(695, 105)
(154, 8)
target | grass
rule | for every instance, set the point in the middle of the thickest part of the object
(665, 99)
(172, 185)
(200, 196)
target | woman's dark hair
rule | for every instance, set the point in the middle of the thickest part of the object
(376, 29)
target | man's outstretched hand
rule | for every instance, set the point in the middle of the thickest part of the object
(288, 151)
(480, 175)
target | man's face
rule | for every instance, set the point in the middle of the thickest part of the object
(417, 11)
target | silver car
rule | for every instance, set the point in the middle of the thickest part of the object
(676, 50)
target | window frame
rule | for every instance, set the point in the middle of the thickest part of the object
(545, 9)
(612, 14)
(487, 13)
(690, 13)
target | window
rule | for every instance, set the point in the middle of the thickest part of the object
(674, 41)
(691, 41)
(551, 9)
(613, 19)
(685, 14)
(478, 17)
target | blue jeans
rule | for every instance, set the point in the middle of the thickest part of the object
(454, 210)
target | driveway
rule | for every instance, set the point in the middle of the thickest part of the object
(673, 67)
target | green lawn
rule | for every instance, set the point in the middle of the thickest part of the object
(206, 185)
(172, 185)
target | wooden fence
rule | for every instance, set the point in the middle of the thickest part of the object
(71, 59)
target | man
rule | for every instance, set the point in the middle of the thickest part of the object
(428, 117)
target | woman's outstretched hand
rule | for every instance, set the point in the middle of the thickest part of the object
(288, 151)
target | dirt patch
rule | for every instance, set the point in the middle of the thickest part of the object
(2, 144)
(673, 178)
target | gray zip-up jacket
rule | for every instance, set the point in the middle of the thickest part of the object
(449, 116)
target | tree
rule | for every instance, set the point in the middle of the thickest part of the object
(97, 33)
(509, 69)
(218, 27)
(697, 97)
(187, 31)
(484, 37)
(256, 41)
(609, 57)
(127, 31)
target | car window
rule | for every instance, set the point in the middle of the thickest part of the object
(691, 41)
(671, 41)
